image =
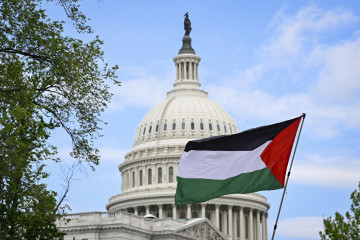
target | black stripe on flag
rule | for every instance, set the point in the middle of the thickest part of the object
(247, 140)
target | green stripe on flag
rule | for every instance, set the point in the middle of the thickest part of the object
(195, 190)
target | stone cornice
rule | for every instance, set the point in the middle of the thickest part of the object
(254, 201)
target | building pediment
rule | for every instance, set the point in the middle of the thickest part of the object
(201, 228)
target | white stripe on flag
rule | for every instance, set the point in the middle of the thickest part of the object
(220, 165)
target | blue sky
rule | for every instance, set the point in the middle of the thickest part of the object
(262, 61)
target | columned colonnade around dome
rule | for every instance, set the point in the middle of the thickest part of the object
(240, 223)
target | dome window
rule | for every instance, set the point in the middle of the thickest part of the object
(149, 176)
(210, 127)
(144, 131)
(150, 129)
(165, 127)
(128, 181)
(174, 126)
(218, 128)
(192, 125)
(183, 126)
(201, 126)
(231, 131)
(171, 174)
(141, 178)
(157, 128)
(225, 130)
(159, 175)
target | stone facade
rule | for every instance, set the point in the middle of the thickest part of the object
(123, 225)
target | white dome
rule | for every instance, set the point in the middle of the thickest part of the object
(181, 117)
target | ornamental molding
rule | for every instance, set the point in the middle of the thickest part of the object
(150, 160)
(245, 201)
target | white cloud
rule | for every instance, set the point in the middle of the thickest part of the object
(295, 32)
(339, 77)
(107, 155)
(329, 75)
(116, 155)
(141, 88)
(299, 227)
(346, 176)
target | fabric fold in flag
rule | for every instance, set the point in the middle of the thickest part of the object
(249, 161)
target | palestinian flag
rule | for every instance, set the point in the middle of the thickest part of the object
(245, 162)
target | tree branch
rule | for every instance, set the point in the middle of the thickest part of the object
(34, 56)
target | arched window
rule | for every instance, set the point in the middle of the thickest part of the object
(182, 214)
(201, 126)
(165, 127)
(133, 179)
(150, 129)
(192, 125)
(183, 126)
(194, 214)
(128, 181)
(171, 174)
(149, 176)
(157, 128)
(218, 128)
(174, 126)
(159, 175)
(141, 178)
(225, 129)
(144, 131)
(210, 126)
(231, 131)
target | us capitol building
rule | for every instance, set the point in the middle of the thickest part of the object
(145, 208)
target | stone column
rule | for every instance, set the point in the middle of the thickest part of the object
(224, 222)
(217, 216)
(266, 227)
(242, 223)
(177, 71)
(188, 211)
(251, 224)
(136, 211)
(263, 226)
(203, 205)
(160, 211)
(147, 207)
(190, 70)
(197, 71)
(235, 225)
(258, 234)
(174, 211)
(230, 217)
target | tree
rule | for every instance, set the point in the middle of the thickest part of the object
(339, 228)
(47, 81)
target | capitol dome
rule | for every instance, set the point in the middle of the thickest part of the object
(185, 114)
(149, 170)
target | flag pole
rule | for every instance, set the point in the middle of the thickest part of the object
(288, 176)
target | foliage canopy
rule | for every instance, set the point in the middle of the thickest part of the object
(344, 228)
(47, 81)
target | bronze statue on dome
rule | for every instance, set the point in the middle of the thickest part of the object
(187, 24)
